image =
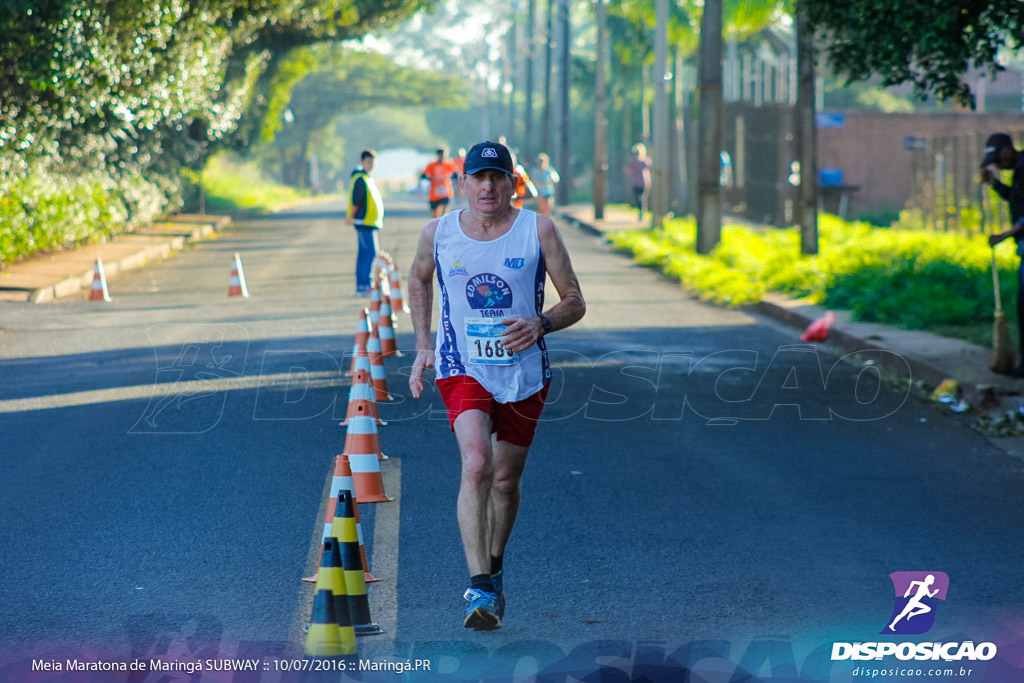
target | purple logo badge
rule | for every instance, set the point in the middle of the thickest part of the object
(486, 291)
(917, 594)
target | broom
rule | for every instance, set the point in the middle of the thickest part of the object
(1002, 351)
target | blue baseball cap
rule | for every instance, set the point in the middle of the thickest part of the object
(489, 155)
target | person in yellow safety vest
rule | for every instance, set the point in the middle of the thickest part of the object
(440, 174)
(366, 214)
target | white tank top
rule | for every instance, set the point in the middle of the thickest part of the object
(481, 283)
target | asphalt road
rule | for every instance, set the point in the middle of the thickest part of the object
(705, 490)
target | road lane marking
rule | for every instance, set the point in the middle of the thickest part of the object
(281, 380)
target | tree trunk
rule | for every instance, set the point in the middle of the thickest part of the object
(806, 135)
(682, 187)
(565, 143)
(709, 201)
(600, 113)
(661, 146)
(549, 41)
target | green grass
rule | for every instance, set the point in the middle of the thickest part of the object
(910, 278)
(233, 185)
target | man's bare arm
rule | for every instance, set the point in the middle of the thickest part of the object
(522, 333)
(421, 301)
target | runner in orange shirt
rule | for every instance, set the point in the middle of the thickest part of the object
(440, 174)
(525, 189)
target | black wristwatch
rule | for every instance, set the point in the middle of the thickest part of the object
(545, 323)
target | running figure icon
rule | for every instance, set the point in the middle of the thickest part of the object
(915, 606)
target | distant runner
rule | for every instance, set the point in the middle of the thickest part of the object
(491, 261)
(545, 178)
(440, 174)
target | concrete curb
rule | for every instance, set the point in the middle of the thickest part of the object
(44, 279)
(964, 362)
(919, 369)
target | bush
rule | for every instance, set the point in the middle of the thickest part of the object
(911, 278)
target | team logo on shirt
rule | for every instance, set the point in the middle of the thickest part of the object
(458, 269)
(487, 292)
(515, 263)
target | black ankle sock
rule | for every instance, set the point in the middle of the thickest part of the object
(482, 582)
(496, 564)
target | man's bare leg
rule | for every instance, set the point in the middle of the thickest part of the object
(509, 461)
(473, 431)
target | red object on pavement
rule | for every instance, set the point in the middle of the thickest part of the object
(818, 330)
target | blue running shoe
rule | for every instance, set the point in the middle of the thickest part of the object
(499, 587)
(482, 613)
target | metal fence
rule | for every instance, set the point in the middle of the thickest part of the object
(946, 193)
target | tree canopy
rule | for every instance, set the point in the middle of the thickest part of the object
(928, 44)
(106, 101)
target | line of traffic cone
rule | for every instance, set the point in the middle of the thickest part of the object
(344, 530)
(236, 285)
(331, 630)
(99, 291)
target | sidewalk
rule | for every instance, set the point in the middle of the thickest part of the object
(931, 358)
(53, 276)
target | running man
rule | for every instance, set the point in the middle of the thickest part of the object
(440, 174)
(915, 607)
(490, 261)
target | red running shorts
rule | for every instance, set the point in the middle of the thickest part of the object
(514, 422)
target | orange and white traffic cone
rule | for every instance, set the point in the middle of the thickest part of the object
(361, 397)
(236, 285)
(378, 375)
(362, 447)
(386, 331)
(374, 302)
(362, 334)
(99, 290)
(395, 283)
(342, 481)
(344, 529)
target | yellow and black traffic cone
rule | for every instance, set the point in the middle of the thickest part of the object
(332, 578)
(323, 638)
(344, 530)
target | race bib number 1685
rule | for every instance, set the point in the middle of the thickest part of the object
(483, 339)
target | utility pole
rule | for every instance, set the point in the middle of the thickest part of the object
(661, 146)
(565, 156)
(709, 197)
(600, 113)
(531, 46)
(806, 135)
